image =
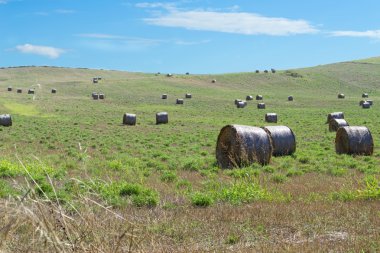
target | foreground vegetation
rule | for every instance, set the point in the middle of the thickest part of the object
(72, 173)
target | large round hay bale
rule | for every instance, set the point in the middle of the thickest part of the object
(179, 101)
(6, 120)
(354, 140)
(341, 95)
(53, 90)
(365, 95)
(261, 106)
(283, 140)
(188, 95)
(366, 105)
(95, 80)
(241, 104)
(290, 98)
(95, 95)
(271, 117)
(164, 96)
(249, 97)
(102, 96)
(334, 124)
(9, 88)
(129, 119)
(162, 118)
(259, 97)
(370, 102)
(31, 91)
(334, 115)
(239, 146)
(237, 101)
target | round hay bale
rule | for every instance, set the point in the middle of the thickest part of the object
(164, 96)
(334, 124)
(169, 75)
(259, 97)
(354, 140)
(179, 101)
(334, 115)
(241, 104)
(9, 88)
(271, 117)
(365, 95)
(260, 106)
(95, 80)
(162, 118)
(95, 95)
(53, 90)
(102, 96)
(19, 90)
(129, 119)
(6, 120)
(239, 146)
(361, 102)
(370, 102)
(237, 101)
(213, 81)
(341, 96)
(283, 140)
(366, 105)
(249, 97)
(290, 98)
(31, 91)
(188, 95)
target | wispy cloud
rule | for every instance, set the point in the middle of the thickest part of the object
(3, 1)
(64, 11)
(228, 22)
(190, 43)
(51, 52)
(100, 36)
(373, 34)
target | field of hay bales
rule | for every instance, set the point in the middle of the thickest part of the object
(74, 178)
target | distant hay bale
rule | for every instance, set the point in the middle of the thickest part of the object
(365, 95)
(370, 102)
(237, 101)
(102, 96)
(53, 90)
(188, 95)
(282, 139)
(260, 106)
(9, 88)
(19, 90)
(334, 124)
(361, 102)
(164, 96)
(249, 97)
(241, 104)
(6, 120)
(334, 115)
(354, 140)
(341, 96)
(213, 81)
(259, 97)
(95, 80)
(179, 101)
(162, 118)
(95, 95)
(169, 75)
(366, 105)
(290, 98)
(266, 71)
(273, 71)
(239, 146)
(271, 117)
(257, 71)
(31, 91)
(129, 119)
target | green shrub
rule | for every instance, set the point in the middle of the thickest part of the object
(168, 176)
(201, 199)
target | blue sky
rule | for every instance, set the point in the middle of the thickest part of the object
(187, 36)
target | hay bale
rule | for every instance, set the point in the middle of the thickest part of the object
(283, 140)
(9, 88)
(334, 124)
(95, 95)
(260, 106)
(101, 96)
(334, 115)
(179, 101)
(188, 95)
(365, 95)
(271, 117)
(366, 105)
(266, 71)
(354, 140)
(53, 90)
(257, 71)
(129, 119)
(213, 81)
(239, 146)
(169, 75)
(164, 96)
(361, 102)
(259, 97)
(341, 96)
(237, 101)
(370, 102)
(162, 118)
(241, 104)
(19, 90)
(95, 80)
(31, 91)
(249, 97)
(273, 71)
(5, 120)
(290, 98)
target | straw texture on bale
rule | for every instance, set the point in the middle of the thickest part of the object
(162, 118)
(9, 88)
(335, 115)
(290, 98)
(366, 105)
(53, 90)
(364, 95)
(19, 90)
(271, 117)
(341, 95)
(188, 95)
(370, 102)
(129, 119)
(260, 106)
(282, 139)
(241, 104)
(259, 97)
(249, 97)
(101, 96)
(5, 120)
(31, 91)
(354, 140)
(239, 146)
(179, 101)
(334, 124)
(164, 96)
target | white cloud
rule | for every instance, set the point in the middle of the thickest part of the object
(167, 6)
(50, 52)
(64, 11)
(231, 22)
(100, 36)
(3, 1)
(190, 43)
(373, 34)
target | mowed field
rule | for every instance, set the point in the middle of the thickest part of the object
(74, 179)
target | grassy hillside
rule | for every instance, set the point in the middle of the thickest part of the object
(163, 179)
